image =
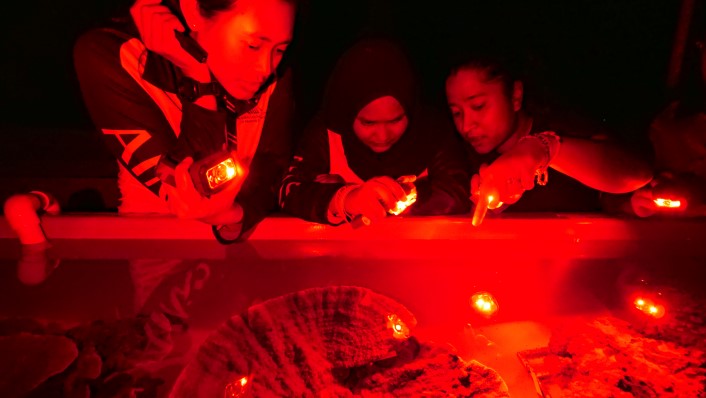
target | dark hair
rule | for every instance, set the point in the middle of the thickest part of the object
(208, 8)
(508, 63)
(495, 67)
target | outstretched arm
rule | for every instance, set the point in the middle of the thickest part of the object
(601, 165)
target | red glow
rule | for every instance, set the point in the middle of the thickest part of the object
(649, 307)
(640, 304)
(399, 329)
(481, 210)
(484, 303)
(485, 202)
(668, 203)
(221, 173)
(402, 205)
(656, 311)
(492, 203)
(237, 388)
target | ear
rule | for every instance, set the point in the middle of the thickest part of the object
(518, 92)
(192, 14)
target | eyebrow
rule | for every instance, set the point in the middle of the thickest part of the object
(468, 98)
(474, 96)
(267, 39)
(398, 117)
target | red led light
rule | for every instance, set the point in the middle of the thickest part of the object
(649, 307)
(484, 303)
(484, 203)
(668, 203)
(402, 205)
(237, 388)
(221, 173)
(399, 328)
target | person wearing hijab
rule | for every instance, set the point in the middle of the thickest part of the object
(374, 145)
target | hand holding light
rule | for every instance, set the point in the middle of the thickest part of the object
(504, 181)
(206, 189)
(378, 197)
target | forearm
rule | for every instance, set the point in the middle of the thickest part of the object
(601, 165)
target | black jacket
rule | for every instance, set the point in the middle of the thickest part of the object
(371, 69)
(122, 98)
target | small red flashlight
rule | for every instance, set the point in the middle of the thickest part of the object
(209, 175)
(668, 203)
(484, 303)
(238, 388)
(399, 328)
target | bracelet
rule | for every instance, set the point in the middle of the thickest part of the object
(339, 202)
(551, 142)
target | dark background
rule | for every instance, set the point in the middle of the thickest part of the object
(606, 58)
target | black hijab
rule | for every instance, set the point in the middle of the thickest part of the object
(370, 69)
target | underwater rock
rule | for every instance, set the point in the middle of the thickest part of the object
(27, 360)
(336, 341)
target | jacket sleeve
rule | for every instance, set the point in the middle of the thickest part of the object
(135, 127)
(300, 195)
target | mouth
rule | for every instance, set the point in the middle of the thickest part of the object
(477, 141)
(381, 145)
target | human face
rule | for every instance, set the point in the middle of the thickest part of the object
(381, 123)
(482, 111)
(246, 43)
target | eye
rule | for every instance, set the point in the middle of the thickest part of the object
(478, 107)
(367, 123)
(397, 119)
(254, 45)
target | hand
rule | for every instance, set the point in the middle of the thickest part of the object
(642, 202)
(508, 177)
(410, 190)
(186, 202)
(156, 24)
(374, 199)
(504, 181)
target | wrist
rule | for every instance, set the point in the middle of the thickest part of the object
(337, 207)
(534, 151)
(552, 144)
(546, 146)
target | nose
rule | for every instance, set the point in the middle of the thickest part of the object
(389, 133)
(468, 123)
(264, 65)
(379, 133)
